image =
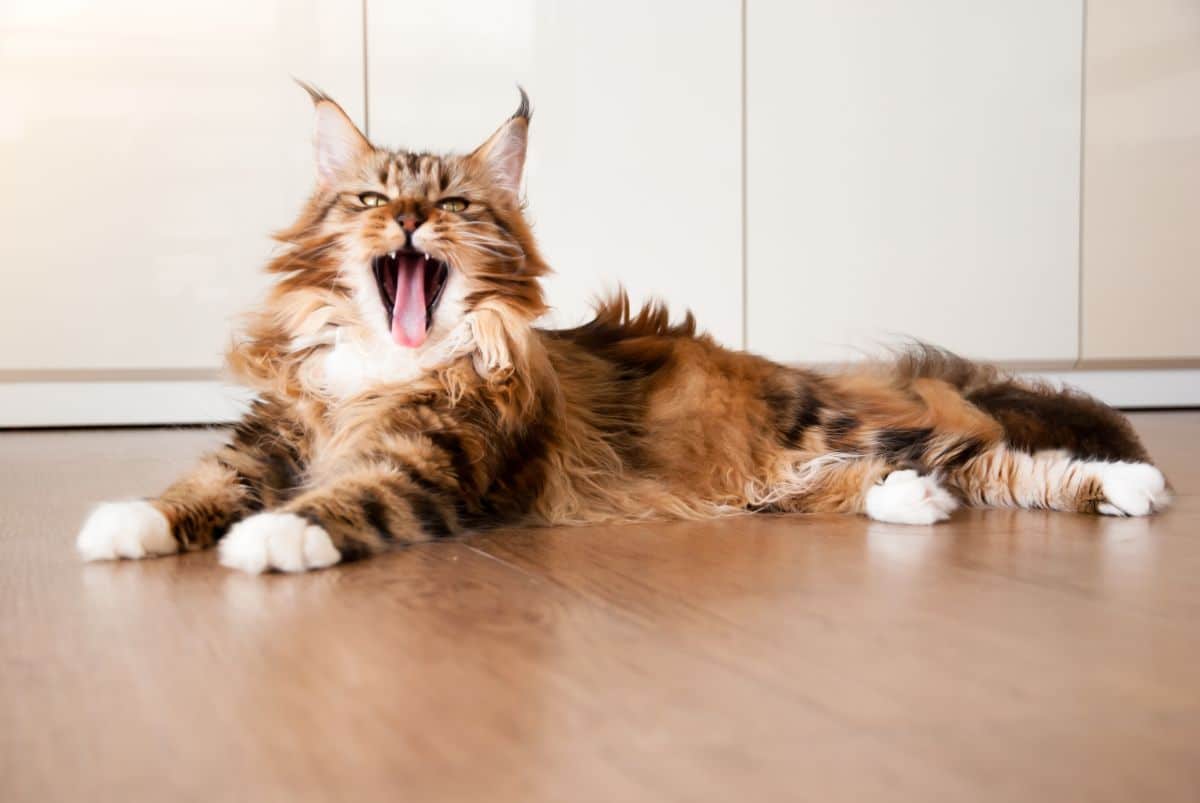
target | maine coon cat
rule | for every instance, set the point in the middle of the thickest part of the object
(404, 393)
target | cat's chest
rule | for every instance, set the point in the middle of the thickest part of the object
(350, 367)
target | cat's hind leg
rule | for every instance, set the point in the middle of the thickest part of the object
(1063, 450)
(1056, 480)
(873, 486)
(908, 497)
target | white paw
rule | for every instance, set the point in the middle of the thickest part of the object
(125, 530)
(1131, 489)
(906, 497)
(280, 541)
(478, 336)
(492, 358)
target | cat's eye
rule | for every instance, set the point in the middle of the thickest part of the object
(373, 199)
(452, 204)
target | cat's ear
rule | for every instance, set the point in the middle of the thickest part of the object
(503, 155)
(337, 141)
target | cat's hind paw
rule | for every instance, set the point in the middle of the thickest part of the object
(125, 530)
(281, 541)
(906, 497)
(1132, 489)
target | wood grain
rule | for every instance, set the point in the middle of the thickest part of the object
(1003, 656)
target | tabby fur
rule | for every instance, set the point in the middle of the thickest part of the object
(494, 421)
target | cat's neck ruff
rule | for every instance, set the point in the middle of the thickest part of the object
(354, 364)
(358, 358)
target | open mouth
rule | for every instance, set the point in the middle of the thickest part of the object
(410, 286)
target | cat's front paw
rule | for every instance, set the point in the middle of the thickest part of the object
(458, 341)
(1132, 489)
(280, 541)
(906, 497)
(493, 360)
(125, 530)
(481, 334)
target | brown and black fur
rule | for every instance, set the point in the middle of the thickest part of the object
(626, 417)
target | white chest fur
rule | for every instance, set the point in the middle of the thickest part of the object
(351, 366)
(361, 357)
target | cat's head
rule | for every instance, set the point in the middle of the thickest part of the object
(415, 241)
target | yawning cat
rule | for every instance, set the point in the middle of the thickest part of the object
(404, 393)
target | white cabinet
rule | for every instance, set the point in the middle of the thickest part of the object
(634, 171)
(148, 149)
(913, 168)
(1141, 205)
(808, 176)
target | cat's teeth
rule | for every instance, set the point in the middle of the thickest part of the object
(427, 257)
(392, 254)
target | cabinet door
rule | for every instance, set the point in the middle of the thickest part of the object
(148, 150)
(633, 175)
(1141, 204)
(913, 168)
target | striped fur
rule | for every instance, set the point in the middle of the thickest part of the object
(497, 422)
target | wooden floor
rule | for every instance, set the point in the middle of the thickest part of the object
(1003, 656)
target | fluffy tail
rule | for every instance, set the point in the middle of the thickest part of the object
(1034, 415)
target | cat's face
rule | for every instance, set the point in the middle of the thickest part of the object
(422, 239)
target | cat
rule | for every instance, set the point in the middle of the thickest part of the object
(404, 393)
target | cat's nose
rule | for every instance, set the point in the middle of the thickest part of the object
(409, 223)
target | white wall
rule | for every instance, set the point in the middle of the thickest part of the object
(634, 171)
(913, 168)
(1141, 203)
(148, 150)
(803, 174)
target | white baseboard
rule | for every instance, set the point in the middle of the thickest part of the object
(1134, 388)
(104, 403)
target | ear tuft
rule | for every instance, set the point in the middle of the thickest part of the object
(525, 110)
(337, 141)
(314, 94)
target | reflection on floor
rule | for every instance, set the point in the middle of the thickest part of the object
(1002, 656)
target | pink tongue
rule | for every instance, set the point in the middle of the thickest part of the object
(408, 316)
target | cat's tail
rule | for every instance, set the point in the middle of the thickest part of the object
(1035, 415)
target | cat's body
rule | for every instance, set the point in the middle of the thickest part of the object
(445, 409)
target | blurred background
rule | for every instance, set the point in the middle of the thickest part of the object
(1016, 181)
